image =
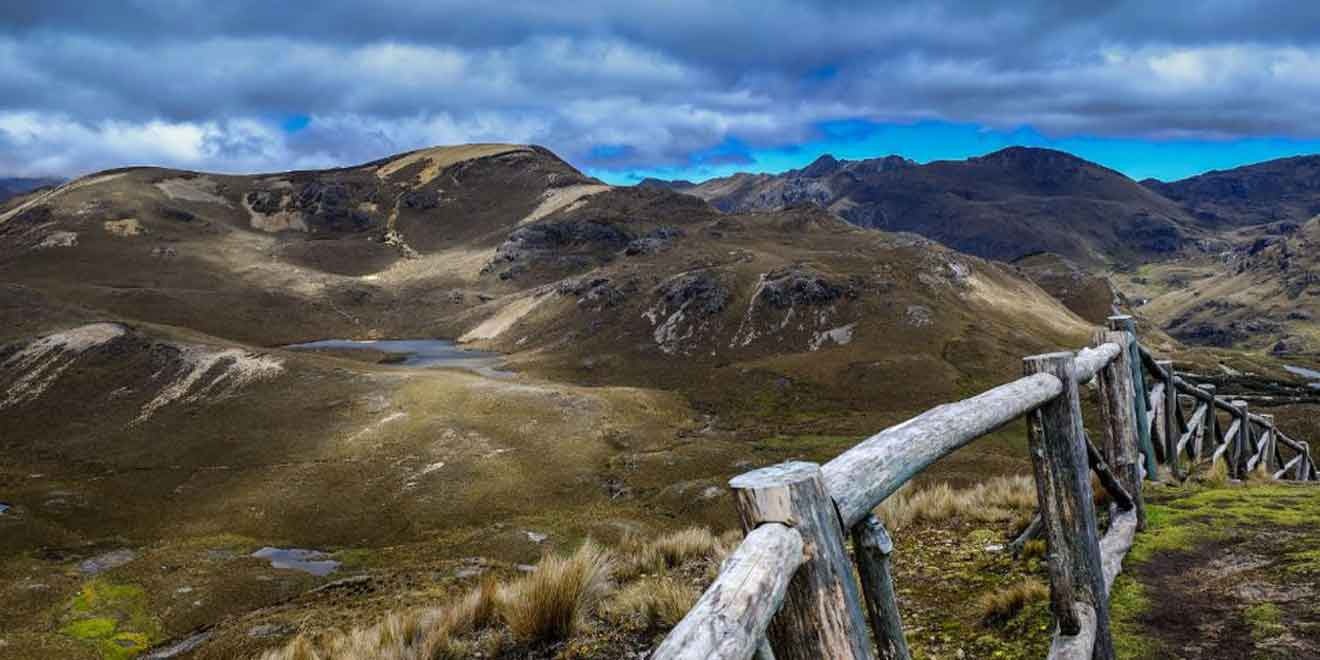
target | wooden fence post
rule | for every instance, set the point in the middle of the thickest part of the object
(1116, 411)
(1063, 484)
(1211, 423)
(1271, 451)
(1242, 450)
(873, 546)
(1126, 324)
(1171, 430)
(1304, 468)
(822, 614)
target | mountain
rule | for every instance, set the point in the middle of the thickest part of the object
(13, 187)
(675, 184)
(653, 347)
(1283, 190)
(1004, 205)
(1260, 290)
(1258, 283)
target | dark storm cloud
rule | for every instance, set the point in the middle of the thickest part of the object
(203, 84)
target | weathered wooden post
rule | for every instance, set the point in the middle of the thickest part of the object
(1304, 468)
(1271, 459)
(822, 614)
(1063, 484)
(1242, 445)
(1171, 430)
(1119, 418)
(873, 546)
(1211, 424)
(1127, 325)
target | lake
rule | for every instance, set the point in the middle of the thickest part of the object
(419, 353)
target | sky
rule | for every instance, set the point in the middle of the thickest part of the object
(675, 89)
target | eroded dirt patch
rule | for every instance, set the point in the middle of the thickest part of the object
(1225, 575)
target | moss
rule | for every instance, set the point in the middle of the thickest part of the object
(99, 627)
(1266, 621)
(113, 618)
(1200, 514)
(1303, 562)
(1128, 605)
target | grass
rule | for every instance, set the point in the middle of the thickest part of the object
(552, 603)
(998, 500)
(651, 603)
(642, 586)
(639, 558)
(1006, 602)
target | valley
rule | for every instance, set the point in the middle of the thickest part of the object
(632, 348)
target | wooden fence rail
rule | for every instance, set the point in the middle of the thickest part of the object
(789, 590)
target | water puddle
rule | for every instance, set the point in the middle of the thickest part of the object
(1309, 374)
(308, 561)
(419, 353)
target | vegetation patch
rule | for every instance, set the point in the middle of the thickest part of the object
(113, 618)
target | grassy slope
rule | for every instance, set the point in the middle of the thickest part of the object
(1227, 571)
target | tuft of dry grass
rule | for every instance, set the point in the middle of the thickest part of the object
(556, 601)
(1034, 549)
(1260, 475)
(553, 601)
(651, 603)
(1216, 474)
(674, 549)
(1004, 603)
(997, 500)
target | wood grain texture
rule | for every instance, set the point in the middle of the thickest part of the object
(1128, 326)
(822, 613)
(1244, 444)
(873, 546)
(1120, 441)
(1078, 646)
(1059, 459)
(1172, 432)
(862, 477)
(1092, 359)
(729, 621)
(1193, 427)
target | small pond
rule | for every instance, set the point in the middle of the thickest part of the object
(1309, 374)
(308, 561)
(418, 353)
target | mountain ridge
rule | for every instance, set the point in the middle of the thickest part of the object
(1004, 205)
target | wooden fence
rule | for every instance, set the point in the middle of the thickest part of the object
(788, 591)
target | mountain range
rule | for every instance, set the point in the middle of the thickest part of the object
(653, 342)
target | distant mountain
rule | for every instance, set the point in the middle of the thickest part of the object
(1283, 190)
(511, 248)
(663, 184)
(13, 187)
(1004, 205)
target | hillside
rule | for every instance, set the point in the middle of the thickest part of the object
(1004, 205)
(1261, 293)
(656, 346)
(1285, 190)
